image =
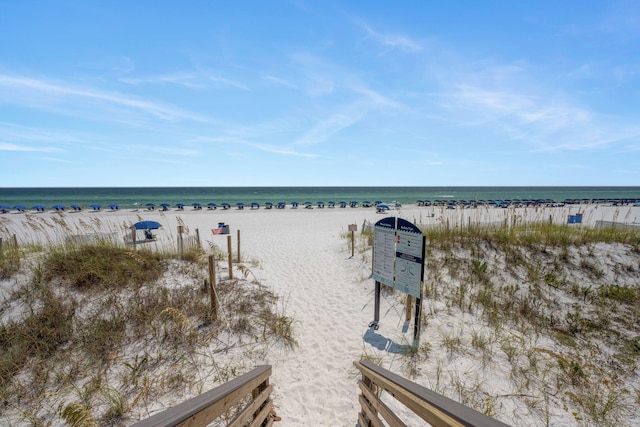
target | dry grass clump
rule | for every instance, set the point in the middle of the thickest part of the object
(9, 260)
(100, 334)
(100, 266)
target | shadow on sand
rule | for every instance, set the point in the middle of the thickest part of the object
(385, 344)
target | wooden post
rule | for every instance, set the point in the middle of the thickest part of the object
(417, 327)
(212, 288)
(180, 242)
(133, 237)
(408, 306)
(353, 242)
(15, 241)
(238, 244)
(0, 243)
(230, 250)
(198, 239)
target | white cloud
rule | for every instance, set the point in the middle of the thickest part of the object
(5, 146)
(64, 92)
(392, 41)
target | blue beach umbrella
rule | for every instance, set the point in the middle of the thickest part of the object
(114, 206)
(212, 205)
(147, 225)
(294, 204)
(196, 205)
(76, 207)
(255, 205)
(4, 208)
(150, 205)
(165, 205)
(58, 207)
(20, 208)
(331, 204)
(240, 205)
(180, 206)
(225, 205)
(268, 205)
(281, 205)
(38, 208)
(96, 207)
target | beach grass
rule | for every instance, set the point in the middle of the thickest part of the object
(110, 328)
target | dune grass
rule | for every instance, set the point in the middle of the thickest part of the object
(101, 331)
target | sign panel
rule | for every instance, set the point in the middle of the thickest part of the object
(409, 258)
(384, 254)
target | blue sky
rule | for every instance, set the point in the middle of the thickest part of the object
(312, 93)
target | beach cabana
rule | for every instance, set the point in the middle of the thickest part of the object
(255, 205)
(225, 206)
(331, 204)
(294, 205)
(57, 208)
(382, 208)
(268, 205)
(212, 206)
(147, 226)
(76, 207)
(96, 207)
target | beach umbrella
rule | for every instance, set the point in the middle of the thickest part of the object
(196, 205)
(96, 207)
(76, 207)
(268, 205)
(165, 205)
(331, 204)
(114, 206)
(308, 203)
(58, 207)
(38, 208)
(343, 204)
(20, 208)
(4, 208)
(180, 206)
(294, 204)
(382, 207)
(212, 205)
(147, 225)
(225, 205)
(150, 205)
(240, 205)
(255, 205)
(281, 205)
(321, 204)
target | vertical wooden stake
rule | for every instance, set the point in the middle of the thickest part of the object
(198, 239)
(352, 243)
(15, 241)
(230, 250)
(0, 243)
(238, 244)
(408, 306)
(180, 242)
(133, 237)
(212, 288)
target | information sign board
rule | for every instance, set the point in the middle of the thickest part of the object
(409, 259)
(384, 252)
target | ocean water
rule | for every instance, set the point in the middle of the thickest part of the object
(139, 196)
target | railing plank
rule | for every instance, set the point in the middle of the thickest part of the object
(369, 412)
(247, 413)
(434, 408)
(263, 415)
(203, 409)
(391, 418)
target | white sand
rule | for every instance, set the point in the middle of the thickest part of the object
(304, 257)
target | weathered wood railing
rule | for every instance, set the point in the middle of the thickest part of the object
(437, 410)
(204, 409)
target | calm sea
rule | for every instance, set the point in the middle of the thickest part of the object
(135, 196)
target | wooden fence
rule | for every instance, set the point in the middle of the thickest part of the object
(437, 410)
(248, 396)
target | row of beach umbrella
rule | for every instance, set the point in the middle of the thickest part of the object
(196, 206)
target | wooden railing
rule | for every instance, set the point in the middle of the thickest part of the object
(437, 410)
(251, 390)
